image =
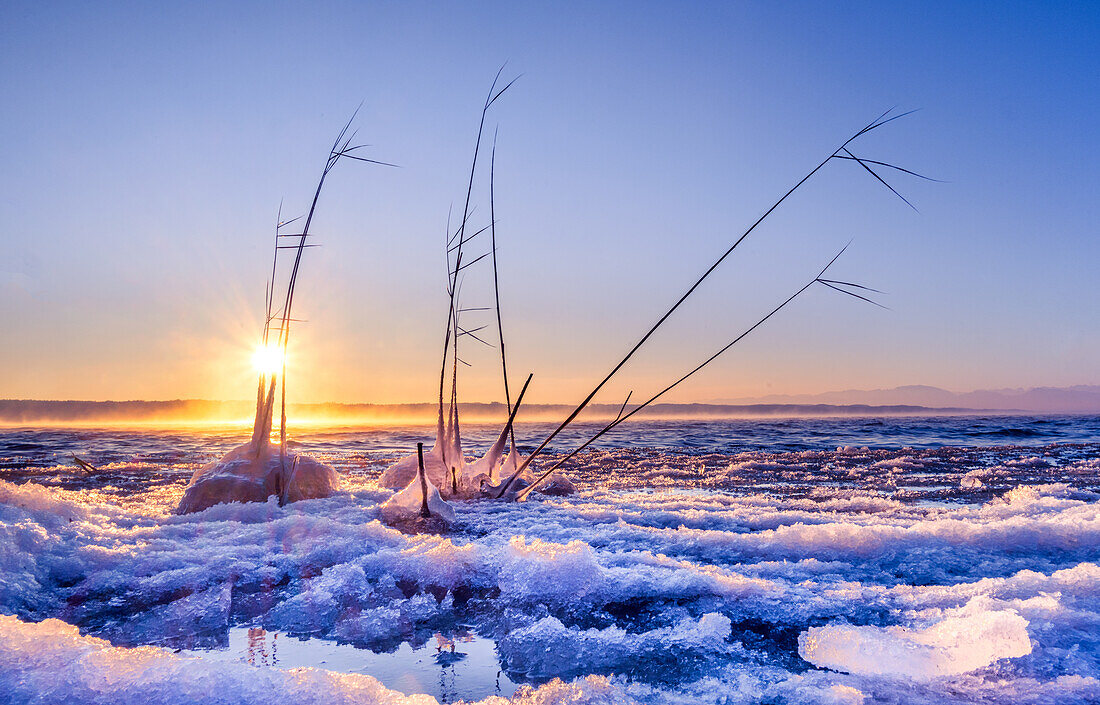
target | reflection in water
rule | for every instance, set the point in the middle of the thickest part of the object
(462, 666)
(446, 657)
(257, 647)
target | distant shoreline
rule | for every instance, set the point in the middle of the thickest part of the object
(24, 412)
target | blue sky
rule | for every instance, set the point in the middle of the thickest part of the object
(147, 149)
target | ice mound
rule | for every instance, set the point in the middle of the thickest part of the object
(378, 625)
(549, 648)
(557, 486)
(444, 464)
(245, 475)
(551, 573)
(401, 473)
(41, 501)
(407, 505)
(973, 479)
(967, 641)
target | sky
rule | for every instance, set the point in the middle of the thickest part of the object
(147, 148)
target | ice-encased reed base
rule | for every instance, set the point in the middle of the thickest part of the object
(245, 475)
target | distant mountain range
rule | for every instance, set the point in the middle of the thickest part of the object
(910, 400)
(1084, 398)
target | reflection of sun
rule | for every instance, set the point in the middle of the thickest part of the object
(267, 360)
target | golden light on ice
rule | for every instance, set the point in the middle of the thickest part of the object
(268, 359)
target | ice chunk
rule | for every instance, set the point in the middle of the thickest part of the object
(194, 620)
(371, 625)
(971, 481)
(551, 573)
(485, 471)
(408, 505)
(967, 641)
(816, 688)
(549, 648)
(247, 475)
(443, 464)
(403, 472)
(508, 468)
(557, 485)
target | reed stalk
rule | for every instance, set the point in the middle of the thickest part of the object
(620, 418)
(452, 274)
(839, 153)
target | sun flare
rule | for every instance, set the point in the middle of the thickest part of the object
(267, 359)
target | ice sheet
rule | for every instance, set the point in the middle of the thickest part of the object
(695, 578)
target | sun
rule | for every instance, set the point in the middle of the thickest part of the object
(267, 359)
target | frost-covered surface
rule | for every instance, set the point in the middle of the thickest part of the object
(251, 474)
(418, 503)
(672, 575)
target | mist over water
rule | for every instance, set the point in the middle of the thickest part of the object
(30, 446)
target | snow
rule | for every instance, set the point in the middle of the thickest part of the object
(802, 577)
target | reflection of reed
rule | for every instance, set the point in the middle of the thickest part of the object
(445, 694)
(443, 642)
(446, 657)
(257, 646)
(448, 642)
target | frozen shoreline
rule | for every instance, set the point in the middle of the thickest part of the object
(848, 575)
